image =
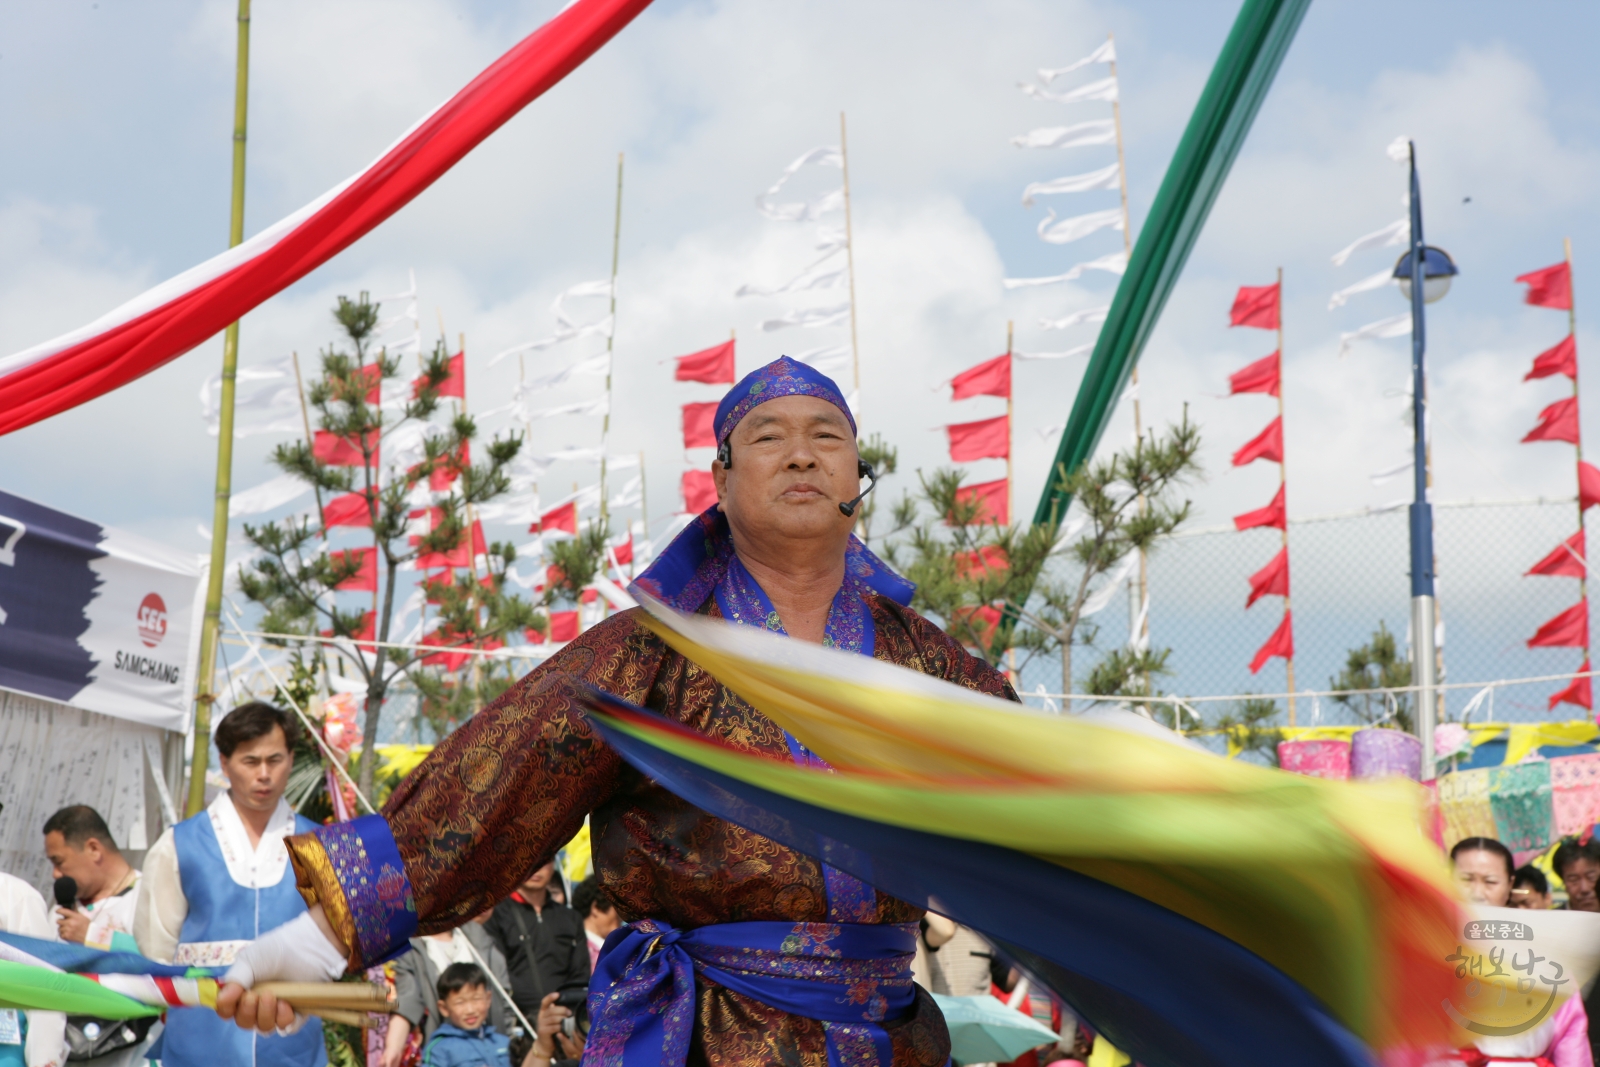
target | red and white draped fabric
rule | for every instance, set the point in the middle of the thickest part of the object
(164, 322)
(1552, 288)
(1261, 307)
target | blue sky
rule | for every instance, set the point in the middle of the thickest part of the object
(116, 117)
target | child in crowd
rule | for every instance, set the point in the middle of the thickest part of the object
(465, 1038)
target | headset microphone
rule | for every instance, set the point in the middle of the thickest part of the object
(863, 470)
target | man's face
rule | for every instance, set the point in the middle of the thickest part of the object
(539, 879)
(82, 865)
(1525, 896)
(1581, 877)
(467, 1007)
(258, 771)
(794, 463)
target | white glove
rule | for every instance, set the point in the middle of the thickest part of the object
(297, 951)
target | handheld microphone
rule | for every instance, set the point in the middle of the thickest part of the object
(863, 470)
(66, 892)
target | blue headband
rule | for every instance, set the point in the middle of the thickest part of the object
(782, 377)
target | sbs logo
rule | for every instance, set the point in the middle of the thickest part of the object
(152, 620)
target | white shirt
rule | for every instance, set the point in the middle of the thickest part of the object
(162, 907)
(23, 911)
(110, 915)
(444, 953)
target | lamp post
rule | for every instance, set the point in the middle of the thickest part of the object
(1423, 275)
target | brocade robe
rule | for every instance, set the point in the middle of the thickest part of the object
(501, 794)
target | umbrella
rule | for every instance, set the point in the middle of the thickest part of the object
(983, 1030)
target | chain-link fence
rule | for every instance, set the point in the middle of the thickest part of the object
(1348, 573)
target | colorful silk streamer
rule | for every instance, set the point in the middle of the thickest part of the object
(1327, 883)
(56, 976)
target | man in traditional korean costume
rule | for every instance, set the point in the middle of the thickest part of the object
(739, 951)
(220, 879)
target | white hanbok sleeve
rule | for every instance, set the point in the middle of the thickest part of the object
(158, 916)
(23, 911)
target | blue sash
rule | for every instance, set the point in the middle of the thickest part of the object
(850, 976)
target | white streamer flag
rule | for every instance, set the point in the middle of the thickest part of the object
(819, 316)
(1104, 178)
(630, 495)
(1097, 131)
(826, 359)
(826, 156)
(566, 328)
(1115, 263)
(598, 406)
(1106, 53)
(594, 365)
(1379, 477)
(1114, 578)
(816, 276)
(1397, 326)
(1077, 318)
(1372, 281)
(1080, 350)
(268, 496)
(1104, 89)
(1078, 226)
(1397, 232)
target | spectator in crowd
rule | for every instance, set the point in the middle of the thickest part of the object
(79, 845)
(1530, 889)
(1577, 864)
(29, 1038)
(1485, 871)
(951, 959)
(465, 1037)
(558, 1043)
(416, 982)
(599, 915)
(544, 945)
(220, 879)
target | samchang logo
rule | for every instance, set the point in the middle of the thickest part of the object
(152, 620)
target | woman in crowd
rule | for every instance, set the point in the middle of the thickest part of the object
(1485, 871)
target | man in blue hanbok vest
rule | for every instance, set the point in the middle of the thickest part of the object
(221, 879)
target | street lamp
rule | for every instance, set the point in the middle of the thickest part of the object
(1423, 275)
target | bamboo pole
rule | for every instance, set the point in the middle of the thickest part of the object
(850, 259)
(1138, 424)
(1283, 486)
(204, 697)
(611, 334)
(1572, 331)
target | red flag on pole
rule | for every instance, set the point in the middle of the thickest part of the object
(1262, 376)
(1271, 580)
(1570, 629)
(1255, 305)
(444, 475)
(365, 579)
(1579, 692)
(1558, 422)
(713, 366)
(1281, 643)
(1268, 444)
(990, 560)
(347, 510)
(1560, 359)
(1588, 485)
(1274, 514)
(698, 431)
(623, 552)
(563, 518)
(992, 377)
(993, 500)
(1569, 560)
(338, 451)
(983, 619)
(984, 439)
(699, 491)
(1549, 288)
(563, 626)
(373, 375)
(455, 385)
